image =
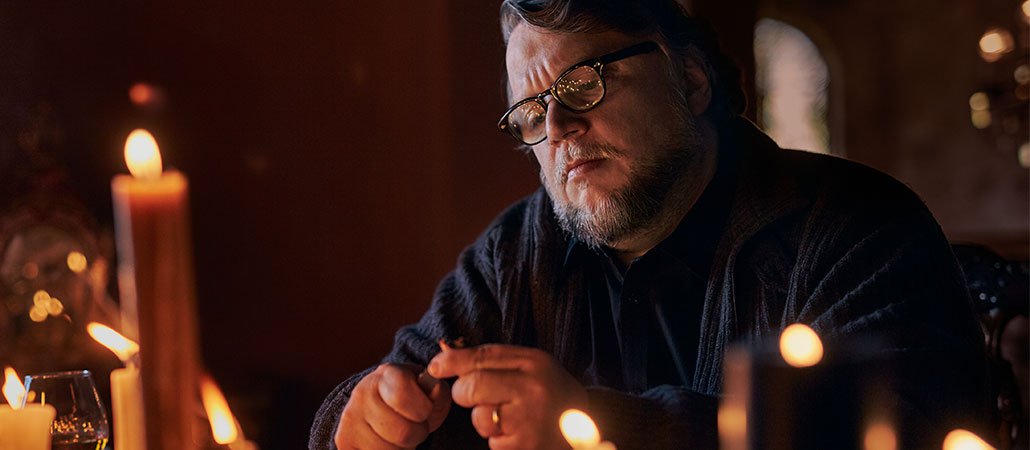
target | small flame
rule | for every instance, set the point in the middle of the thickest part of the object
(800, 346)
(142, 155)
(579, 429)
(223, 425)
(14, 391)
(113, 340)
(960, 439)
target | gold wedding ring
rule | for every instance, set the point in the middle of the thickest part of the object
(496, 417)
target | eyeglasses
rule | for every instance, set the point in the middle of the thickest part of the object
(579, 88)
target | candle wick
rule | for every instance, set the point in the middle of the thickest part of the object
(132, 362)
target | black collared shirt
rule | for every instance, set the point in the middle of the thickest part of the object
(645, 318)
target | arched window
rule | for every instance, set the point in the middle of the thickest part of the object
(791, 82)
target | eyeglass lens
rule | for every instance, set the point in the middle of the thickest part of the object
(578, 90)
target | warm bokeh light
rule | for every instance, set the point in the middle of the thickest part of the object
(994, 43)
(30, 271)
(800, 346)
(40, 298)
(141, 94)
(142, 155)
(979, 102)
(38, 313)
(123, 347)
(1026, 10)
(732, 420)
(14, 391)
(76, 261)
(579, 429)
(1024, 155)
(964, 440)
(1022, 73)
(223, 426)
(980, 119)
(54, 307)
(880, 436)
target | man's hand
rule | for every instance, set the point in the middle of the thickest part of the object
(525, 387)
(392, 408)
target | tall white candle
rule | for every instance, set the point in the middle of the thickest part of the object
(155, 275)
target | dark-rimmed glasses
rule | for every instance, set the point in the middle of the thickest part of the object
(579, 88)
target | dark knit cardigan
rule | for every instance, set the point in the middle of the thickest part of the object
(810, 238)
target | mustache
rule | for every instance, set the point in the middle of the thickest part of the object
(580, 152)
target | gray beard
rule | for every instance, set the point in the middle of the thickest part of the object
(637, 205)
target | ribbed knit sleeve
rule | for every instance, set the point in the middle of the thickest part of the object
(464, 306)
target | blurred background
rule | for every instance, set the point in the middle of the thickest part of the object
(341, 154)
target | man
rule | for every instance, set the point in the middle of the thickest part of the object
(667, 228)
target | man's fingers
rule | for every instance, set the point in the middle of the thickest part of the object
(440, 396)
(361, 436)
(354, 431)
(491, 387)
(391, 426)
(458, 362)
(483, 420)
(400, 390)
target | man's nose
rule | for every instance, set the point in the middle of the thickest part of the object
(563, 124)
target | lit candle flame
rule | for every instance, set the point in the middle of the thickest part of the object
(800, 346)
(960, 439)
(142, 155)
(14, 391)
(579, 429)
(223, 425)
(123, 347)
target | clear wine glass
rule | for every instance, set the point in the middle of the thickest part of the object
(81, 423)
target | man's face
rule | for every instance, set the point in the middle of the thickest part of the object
(609, 170)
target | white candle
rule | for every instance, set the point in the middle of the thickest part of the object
(126, 389)
(26, 428)
(23, 427)
(127, 409)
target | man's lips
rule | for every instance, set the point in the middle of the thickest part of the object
(578, 166)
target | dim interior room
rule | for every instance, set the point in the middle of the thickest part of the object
(340, 155)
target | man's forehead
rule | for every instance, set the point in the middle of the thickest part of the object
(533, 51)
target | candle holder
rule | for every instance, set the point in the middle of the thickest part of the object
(81, 421)
(840, 402)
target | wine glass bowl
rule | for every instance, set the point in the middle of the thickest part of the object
(81, 421)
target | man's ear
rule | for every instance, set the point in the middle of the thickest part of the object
(699, 87)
